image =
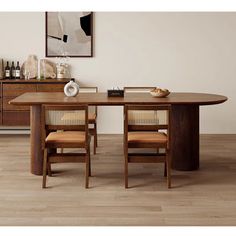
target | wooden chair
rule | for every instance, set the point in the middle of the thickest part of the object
(75, 134)
(92, 116)
(147, 136)
(142, 117)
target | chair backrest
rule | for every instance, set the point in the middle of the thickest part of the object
(54, 117)
(91, 109)
(129, 109)
(142, 117)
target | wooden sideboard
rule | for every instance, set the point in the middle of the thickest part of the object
(11, 115)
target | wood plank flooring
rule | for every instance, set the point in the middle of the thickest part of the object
(203, 197)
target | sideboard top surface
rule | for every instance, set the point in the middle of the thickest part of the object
(33, 81)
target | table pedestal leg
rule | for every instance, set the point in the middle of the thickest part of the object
(185, 137)
(35, 139)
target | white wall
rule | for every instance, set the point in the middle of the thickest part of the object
(189, 52)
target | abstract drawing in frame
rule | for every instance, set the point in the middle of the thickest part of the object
(69, 34)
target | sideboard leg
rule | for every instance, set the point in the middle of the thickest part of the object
(35, 140)
(185, 137)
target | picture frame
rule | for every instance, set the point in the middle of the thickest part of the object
(69, 34)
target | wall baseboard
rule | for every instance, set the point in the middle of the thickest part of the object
(15, 131)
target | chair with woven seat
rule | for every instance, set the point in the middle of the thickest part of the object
(74, 134)
(92, 116)
(147, 136)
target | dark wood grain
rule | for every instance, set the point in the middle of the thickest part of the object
(16, 89)
(16, 118)
(35, 138)
(185, 137)
(0, 118)
(50, 87)
(101, 99)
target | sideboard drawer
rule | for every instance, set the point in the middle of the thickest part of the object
(15, 118)
(50, 87)
(10, 90)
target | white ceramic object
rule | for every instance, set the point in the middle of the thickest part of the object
(47, 69)
(30, 67)
(71, 89)
(160, 93)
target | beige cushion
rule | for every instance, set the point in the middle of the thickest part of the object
(147, 137)
(74, 137)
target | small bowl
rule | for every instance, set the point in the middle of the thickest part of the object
(160, 94)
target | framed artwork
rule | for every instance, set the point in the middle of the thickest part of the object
(69, 34)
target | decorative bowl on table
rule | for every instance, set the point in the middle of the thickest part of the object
(159, 93)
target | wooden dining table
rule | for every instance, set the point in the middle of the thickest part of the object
(184, 119)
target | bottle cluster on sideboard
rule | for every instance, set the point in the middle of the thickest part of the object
(34, 68)
(12, 71)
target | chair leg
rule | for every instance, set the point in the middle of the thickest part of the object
(165, 171)
(90, 172)
(126, 170)
(45, 156)
(49, 169)
(96, 136)
(87, 168)
(94, 145)
(62, 150)
(95, 139)
(168, 158)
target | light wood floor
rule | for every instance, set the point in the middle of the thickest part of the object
(203, 197)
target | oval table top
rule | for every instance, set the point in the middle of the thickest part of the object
(37, 98)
